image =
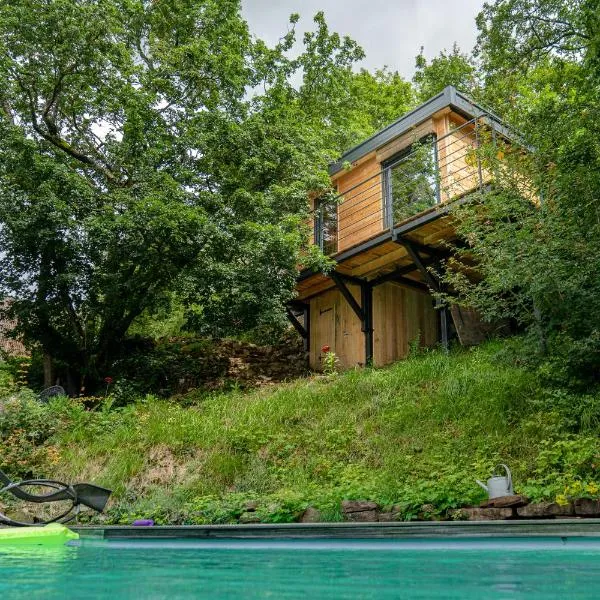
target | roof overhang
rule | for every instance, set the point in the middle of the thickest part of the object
(450, 97)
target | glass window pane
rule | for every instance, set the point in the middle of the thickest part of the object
(326, 221)
(412, 186)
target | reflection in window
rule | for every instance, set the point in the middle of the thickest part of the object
(326, 225)
(411, 182)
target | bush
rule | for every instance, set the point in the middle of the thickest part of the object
(25, 426)
(166, 368)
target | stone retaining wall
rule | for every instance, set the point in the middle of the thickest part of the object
(506, 508)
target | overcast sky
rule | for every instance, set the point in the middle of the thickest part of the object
(390, 31)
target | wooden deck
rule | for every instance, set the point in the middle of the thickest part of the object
(380, 254)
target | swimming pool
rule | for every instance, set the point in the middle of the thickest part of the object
(551, 567)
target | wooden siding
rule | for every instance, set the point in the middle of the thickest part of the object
(400, 316)
(458, 163)
(334, 324)
(404, 141)
(360, 212)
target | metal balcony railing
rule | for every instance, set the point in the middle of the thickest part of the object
(430, 172)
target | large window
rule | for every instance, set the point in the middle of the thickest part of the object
(411, 182)
(326, 225)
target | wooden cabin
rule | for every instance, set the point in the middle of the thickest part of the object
(386, 227)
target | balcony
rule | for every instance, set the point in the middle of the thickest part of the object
(431, 172)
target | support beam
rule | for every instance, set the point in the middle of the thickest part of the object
(366, 291)
(341, 285)
(443, 325)
(296, 324)
(364, 312)
(349, 278)
(414, 255)
(307, 327)
(432, 282)
(399, 272)
(439, 253)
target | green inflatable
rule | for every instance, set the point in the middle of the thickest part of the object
(49, 535)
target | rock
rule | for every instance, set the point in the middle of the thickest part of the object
(388, 517)
(458, 514)
(355, 506)
(482, 514)
(544, 510)
(586, 507)
(251, 506)
(249, 517)
(311, 515)
(364, 516)
(505, 502)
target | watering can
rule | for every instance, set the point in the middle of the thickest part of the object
(498, 485)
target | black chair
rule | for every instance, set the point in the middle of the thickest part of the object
(85, 494)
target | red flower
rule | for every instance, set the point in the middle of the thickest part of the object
(108, 380)
(325, 348)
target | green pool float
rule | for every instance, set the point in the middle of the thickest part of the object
(49, 535)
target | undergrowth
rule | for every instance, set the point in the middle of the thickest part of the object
(416, 433)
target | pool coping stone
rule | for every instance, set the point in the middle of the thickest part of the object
(573, 527)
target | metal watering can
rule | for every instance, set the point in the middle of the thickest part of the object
(498, 485)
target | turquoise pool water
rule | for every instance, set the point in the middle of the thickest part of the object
(463, 569)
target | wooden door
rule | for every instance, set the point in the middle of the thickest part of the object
(322, 327)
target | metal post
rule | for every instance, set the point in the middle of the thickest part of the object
(479, 169)
(321, 227)
(367, 307)
(443, 323)
(438, 193)
(388, 199)
(306, 312)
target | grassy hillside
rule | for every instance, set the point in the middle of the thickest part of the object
(416, 433)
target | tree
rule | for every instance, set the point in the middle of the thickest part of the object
(105, 196)
(134, 164)
(540, 263)
(377, 99)
(448, 68)
(269, 162)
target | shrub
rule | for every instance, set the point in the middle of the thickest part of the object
(25, 426)
(166, 368)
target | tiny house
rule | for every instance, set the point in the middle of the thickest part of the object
(386, 227)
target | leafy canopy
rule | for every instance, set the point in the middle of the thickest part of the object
(155, 150)
(540, 263)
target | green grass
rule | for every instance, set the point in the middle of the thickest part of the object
(418, 432)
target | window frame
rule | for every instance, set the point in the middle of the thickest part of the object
(393, 161)
(318, 226)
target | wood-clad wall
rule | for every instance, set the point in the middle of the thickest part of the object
(400, 316)
(361, 208)
(458, 164)
(334, 324)
(360, 212)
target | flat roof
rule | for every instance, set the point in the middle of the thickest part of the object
(448, 97)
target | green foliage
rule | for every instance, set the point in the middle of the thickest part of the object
(448, 68)
(166, 368)
(135, 170)
(561, 467)
(25, 426)
(539, 260)
(376, 100)
(417, 433)
(330, 363)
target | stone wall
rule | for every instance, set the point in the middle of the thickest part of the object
(253, 365)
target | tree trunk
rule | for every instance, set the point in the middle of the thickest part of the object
(48, 371)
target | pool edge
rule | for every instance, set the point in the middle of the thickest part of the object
(440, 529)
